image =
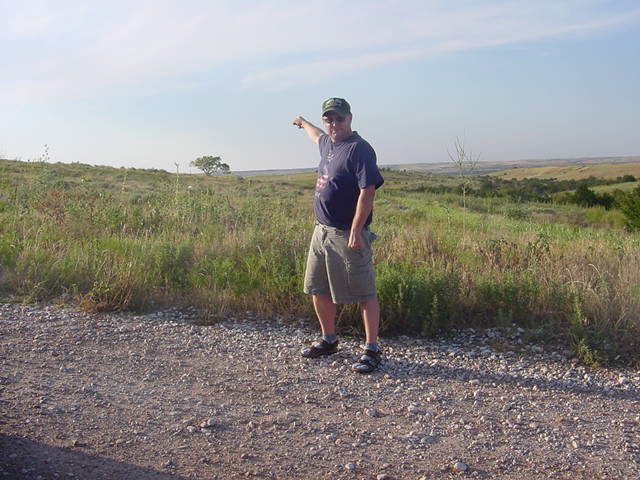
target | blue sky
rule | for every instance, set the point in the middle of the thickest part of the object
(151, 84)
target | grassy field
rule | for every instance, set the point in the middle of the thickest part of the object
(111, 239)
(625, 187)
(572, 172)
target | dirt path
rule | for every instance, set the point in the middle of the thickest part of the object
(87, 396)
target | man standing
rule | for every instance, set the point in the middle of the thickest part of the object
(339, 265)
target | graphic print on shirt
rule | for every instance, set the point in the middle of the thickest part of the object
(323, 177)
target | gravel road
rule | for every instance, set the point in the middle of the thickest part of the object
(123, 396)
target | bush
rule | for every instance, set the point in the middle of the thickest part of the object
(630, 206)
(507, 301)
(173, 263)
(584, 196)
(415, 299)
(517, 212)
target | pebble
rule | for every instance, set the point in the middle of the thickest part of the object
(460, 467)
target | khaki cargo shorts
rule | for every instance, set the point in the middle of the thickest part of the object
(337, 271)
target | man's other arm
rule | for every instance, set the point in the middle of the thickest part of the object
(363, 209)
(314, 132)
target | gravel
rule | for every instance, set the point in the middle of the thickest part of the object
(156, 396)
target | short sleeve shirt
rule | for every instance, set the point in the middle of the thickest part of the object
(345, 168)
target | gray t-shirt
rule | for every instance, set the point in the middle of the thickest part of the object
(345, 168)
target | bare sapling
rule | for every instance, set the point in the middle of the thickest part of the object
(466, 163)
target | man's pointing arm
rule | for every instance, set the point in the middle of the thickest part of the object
(314, 132)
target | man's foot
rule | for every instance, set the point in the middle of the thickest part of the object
(319, 349)
(368, 362)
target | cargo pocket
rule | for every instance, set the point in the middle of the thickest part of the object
(360, 275)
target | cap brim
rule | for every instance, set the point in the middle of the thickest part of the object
(336, 110)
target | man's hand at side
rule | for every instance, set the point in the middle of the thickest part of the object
(355, 240)
(363, 209)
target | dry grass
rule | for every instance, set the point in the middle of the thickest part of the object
(571, 172)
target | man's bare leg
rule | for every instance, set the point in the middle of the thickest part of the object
(326, 312)
(371, 319)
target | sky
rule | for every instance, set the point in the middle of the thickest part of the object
(158, 84)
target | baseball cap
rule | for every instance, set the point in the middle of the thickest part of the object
(338, 105)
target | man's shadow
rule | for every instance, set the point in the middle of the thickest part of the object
(22, 458)
(425, 371)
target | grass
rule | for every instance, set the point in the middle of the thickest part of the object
(125, 239)
(625, 187)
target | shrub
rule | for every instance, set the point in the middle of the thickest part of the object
(415, 299)
(508, 300)
(630, 206)
(173, 263)
(584, 196)
(517, 212)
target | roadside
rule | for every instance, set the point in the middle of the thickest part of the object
(92, 396)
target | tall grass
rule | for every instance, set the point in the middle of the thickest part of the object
(151, 239)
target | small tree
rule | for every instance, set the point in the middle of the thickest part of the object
(630, 206)
(584, 196)
(210, 165)
(466, 163)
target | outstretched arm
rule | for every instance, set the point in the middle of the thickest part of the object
(313, 131)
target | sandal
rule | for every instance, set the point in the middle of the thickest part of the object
(368, 362)
(319, 349)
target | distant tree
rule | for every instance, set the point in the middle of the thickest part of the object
(630, 206)
(210, 165)
(584, 196)
(607, 200)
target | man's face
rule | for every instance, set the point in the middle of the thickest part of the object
(337, 126)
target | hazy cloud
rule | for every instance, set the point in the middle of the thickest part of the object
(79, 49)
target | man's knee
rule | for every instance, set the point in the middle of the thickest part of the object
(373, 302)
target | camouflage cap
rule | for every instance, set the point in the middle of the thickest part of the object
(338, 105)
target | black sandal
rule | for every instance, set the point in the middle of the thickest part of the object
(368, 362)
(319, 349)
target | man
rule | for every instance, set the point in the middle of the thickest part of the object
(339, 265)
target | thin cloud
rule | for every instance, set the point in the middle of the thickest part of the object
(84, 49)
(486, 29)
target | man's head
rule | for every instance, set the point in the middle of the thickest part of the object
(336, 117)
